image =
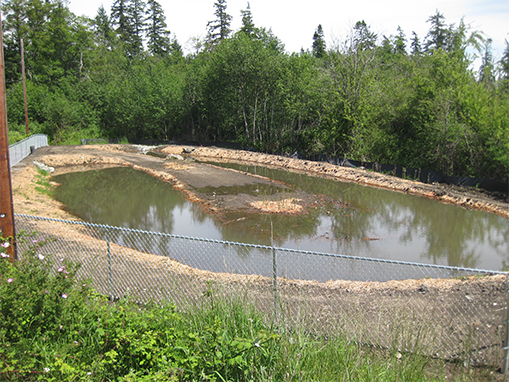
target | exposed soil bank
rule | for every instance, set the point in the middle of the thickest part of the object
(465, 197)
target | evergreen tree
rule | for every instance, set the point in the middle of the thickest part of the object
(486, 71)
(247, 21)
(400, 42)
(318, 43)
(102, 28)
(363, 38)
(157, 33)
(504, 67)
(219, 29)
(136, 14)
(415, 45)
(127, 17)
(438, 34)
(38, 14)
(55, 41)
(393, 46)
(459, 40)
(176, 48)
(120, 19)
(14, 23)
(14, 28)
(387, 48)
(504, 62)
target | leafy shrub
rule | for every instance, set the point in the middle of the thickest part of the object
(54, 327)
(16, 136)
(32, 303)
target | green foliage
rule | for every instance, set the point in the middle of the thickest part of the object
(58, 328)
(44, 186)
(33, 304)
(244, 74)
(16, 135)
(367, 98)
(319, 43)
(144, 102)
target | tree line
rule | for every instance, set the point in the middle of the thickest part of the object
(415, 101)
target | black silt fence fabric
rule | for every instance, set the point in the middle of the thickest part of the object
(423, 175)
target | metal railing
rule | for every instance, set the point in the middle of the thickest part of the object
(440, 311)
(19, 150)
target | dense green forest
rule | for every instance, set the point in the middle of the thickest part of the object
(415, 101)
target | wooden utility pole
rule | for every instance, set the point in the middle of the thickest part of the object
(24, 83)
(6, 206)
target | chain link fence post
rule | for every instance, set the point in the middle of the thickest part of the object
(274, 270)
(506, 330)
(110, 277)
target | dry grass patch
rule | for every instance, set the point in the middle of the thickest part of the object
(80, 159)
(177, 165)
(285, 206)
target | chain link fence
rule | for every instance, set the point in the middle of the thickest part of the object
(19, 150)
(439, 311)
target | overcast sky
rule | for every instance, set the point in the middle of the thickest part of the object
(294, 22)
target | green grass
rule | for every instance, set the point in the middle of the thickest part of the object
(76, 140)
(43, 185)
(54, 327)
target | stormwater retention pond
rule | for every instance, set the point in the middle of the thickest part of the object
(346, 219)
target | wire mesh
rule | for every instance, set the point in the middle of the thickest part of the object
(439, 311)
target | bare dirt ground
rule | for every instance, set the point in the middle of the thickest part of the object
(465, 197)
(459, 307)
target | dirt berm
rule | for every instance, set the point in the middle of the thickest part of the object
(189, 175)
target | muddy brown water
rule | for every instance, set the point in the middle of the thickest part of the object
(339, 218)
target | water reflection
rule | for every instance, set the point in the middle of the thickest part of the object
(124, 197)
(359, 221)
(396, 226)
